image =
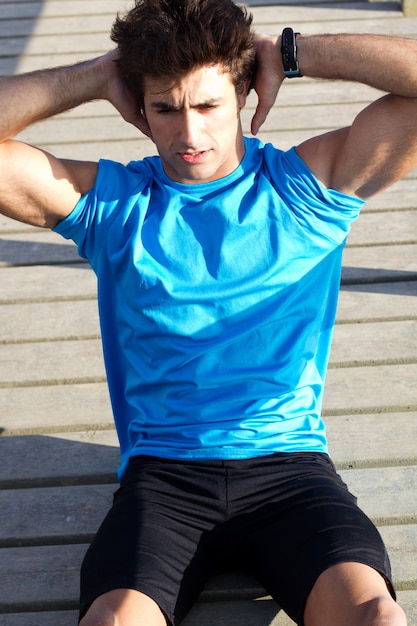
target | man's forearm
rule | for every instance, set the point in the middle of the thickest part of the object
(386, 63)
(28, 98)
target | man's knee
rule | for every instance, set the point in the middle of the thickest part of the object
(352, 593)
(123, 607)
(382, 611)
(99, 617)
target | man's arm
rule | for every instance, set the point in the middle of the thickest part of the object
(380, 146)
(36, 187)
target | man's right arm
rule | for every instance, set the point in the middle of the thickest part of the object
(36, 187)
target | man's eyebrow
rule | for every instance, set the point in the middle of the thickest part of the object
(166, 106)
(169, 106)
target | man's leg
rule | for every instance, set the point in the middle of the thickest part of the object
(151, 555)
(123, 607)
(313, 549)
(350, 594)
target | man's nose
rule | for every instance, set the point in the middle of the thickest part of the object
(190, 127)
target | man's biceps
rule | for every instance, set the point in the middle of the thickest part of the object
(34, 189)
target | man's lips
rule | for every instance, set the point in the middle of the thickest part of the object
(193, 157)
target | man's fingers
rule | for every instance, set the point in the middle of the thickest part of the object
(259, 118)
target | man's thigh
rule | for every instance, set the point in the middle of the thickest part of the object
(154, 538)
(309, 524)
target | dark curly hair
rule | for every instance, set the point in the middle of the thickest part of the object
(169, 38)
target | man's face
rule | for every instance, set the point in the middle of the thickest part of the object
(195, 124)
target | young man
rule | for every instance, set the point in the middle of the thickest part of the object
(218, 264)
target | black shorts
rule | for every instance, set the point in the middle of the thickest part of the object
(284, 518)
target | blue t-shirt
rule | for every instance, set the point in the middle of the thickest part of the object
(217, 303)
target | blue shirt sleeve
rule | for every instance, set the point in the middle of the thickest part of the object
(113, 196)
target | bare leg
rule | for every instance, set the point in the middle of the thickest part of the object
(352, 594)
(124, 607)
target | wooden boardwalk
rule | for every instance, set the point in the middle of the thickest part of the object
(58, 449)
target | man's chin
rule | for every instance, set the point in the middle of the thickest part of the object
(191, 175)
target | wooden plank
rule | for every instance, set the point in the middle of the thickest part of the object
(401, 195)
(52, 363)
(390, 25)
(374, 343)
(323, 12)
(92, 44)
(374, 264)
(79, 7)
(382, 301)
(27, 410)
(49, 576)
(42, 618)
(396, 538)
(11, 10)
(35, 248)
(9, 226)
(46, 321)
(43, 283)
(55, 132)
(387, 229)
(408, 600)
(263, 612)
(370, 389)
(68, 25)
(53, 515)
(66, 458)
(385, 493)
(373, 440)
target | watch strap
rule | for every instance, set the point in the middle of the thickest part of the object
(289, 53)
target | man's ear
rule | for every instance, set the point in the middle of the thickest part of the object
(241, 99)
(144, 126)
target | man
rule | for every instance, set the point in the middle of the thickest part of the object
(218, 266)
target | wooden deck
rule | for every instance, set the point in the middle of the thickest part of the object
(58, 448)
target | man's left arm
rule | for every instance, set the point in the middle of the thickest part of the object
(380, 146)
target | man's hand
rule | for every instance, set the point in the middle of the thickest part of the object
(268, 78)
(119, 95)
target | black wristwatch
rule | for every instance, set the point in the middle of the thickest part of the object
(289, 53)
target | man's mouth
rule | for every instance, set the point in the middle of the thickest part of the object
(194, 157)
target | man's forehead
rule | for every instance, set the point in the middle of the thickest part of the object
(208, 81)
